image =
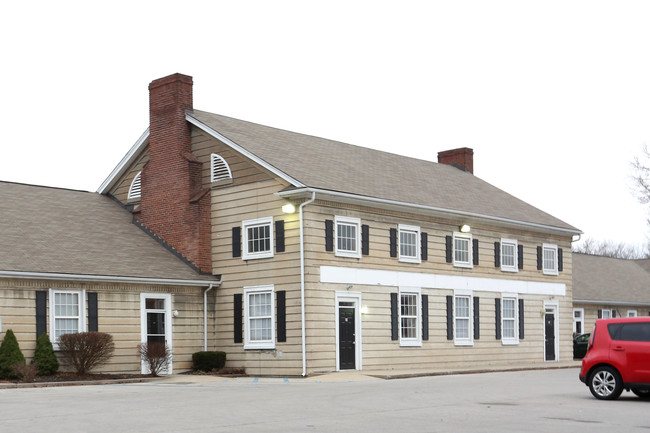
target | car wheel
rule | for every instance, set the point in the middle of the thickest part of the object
(642, 393)
(605, 383)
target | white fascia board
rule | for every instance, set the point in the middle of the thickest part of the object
(124, 164)
(615, 303)
(376, 277)
(106, 279)
(433, 210)
(241, 150)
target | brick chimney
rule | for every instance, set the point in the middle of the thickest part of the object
(174, 205)
(462, 158)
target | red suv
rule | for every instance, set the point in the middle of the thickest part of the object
(618, 357)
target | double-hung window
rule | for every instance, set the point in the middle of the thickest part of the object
(259, 313)
(549, 259)
(463, 250)
(409, 244)
(509, 320)
(509, 255)
(348, 236)
(258, 238)
(410, 317)
(463, 319)
(67, 313)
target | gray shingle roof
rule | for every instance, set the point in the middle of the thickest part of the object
(334, 166)
(51, 230)
(597, 278)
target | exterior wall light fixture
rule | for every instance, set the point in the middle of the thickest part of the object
(465, 228)
(288, 208)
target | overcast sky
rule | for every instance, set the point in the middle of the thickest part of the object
(553, 96)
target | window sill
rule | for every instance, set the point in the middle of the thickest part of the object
(510, 342)
(347, 255)
(409, 260)
(549, 272)
(253, 346)
(463, 265)
(257, 256)
(407, 343)
(512, 270)
(463, 343)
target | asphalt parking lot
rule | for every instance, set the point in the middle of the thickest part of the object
(526, 401)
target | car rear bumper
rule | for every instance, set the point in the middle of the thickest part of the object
(583, 379)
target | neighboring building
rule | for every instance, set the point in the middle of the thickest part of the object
(605, 287)
(386, 263)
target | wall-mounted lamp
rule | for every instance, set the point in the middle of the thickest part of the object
(288, 208)
(175, 313)
(465, 228)
(364, 309)
(542, 312)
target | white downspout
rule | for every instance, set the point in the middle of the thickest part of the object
(205, 318)
(302, 286)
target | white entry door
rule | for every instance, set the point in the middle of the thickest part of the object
(156, 322)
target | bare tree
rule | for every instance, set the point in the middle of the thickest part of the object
(641, 175)
(607, 248)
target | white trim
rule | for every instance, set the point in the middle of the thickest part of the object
(581, 321)
(555, 306)
(632, 313)
(261, 344)
(303, 339)
(82, 312)
(514, 267)
(432, 210)
(247, 255)
(376, 277)
(510, 341)
(417, 341)
(409, 229)
(106, 278)
(194, 121)
(470, 254)
(550, 271)
(124, 164)
(356, 222)
(167, 297)
(356, 298)
(469, 341)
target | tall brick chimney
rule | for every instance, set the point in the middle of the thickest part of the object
(174, 205)
(462, 158)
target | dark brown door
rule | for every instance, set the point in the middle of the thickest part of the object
(549, 334)
(347, 344)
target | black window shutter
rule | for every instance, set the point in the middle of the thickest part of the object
(424, 246)
(497, 318)
(448, 250)
(520, 256)
(281, 314)
(41, 312)
(393, 242)
(394, 331)
(600, 314)
(93, 320)
(237, 317)
(365, 239)
(521, 319)
(329, 235)
(279, 236)
(425, 317)
(613, 313)
(477, 322)
(475, 251)
(236, 241)
(450, 317)
(539, 258)
(560, 261)
(497, 254)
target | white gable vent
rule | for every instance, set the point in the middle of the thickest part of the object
(135, 190)
(219, 168)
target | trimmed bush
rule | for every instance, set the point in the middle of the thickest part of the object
(44, 357)
(84, 351)
(208, 361)
(156, 355)
(26, 373)
(10, 355)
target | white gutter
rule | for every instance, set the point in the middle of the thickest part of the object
(205, 318)
(104, 279)
(394, 203)
(302, 286)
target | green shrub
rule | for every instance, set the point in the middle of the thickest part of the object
(10, 355)
(86, 350)
(44, 357)
(208, 361)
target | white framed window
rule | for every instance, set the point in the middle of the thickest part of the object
(258, 238)
(606, 314)
(578, 320)
(67, 313)
(631, 313)
(463, 332)
(348, 236)
(259, 314)
(409, 244)
(509, 255)
(549, 259)
(135, 190)
(509, 320)
(462, 250)
(219, 168)
(410, 317)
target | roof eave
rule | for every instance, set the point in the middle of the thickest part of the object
(107, 279)
(615, 303)
(124, 164)
(468, 217)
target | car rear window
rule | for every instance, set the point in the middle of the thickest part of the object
(629, 331)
